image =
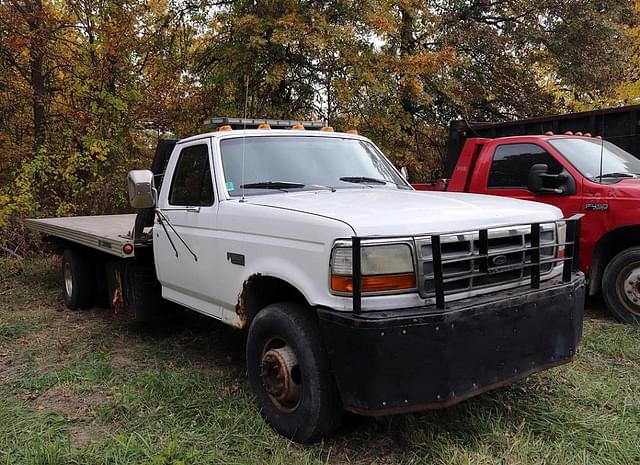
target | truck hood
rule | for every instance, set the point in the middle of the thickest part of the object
(388, 212)
(624, 188)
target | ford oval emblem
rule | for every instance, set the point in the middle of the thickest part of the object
(499, 260)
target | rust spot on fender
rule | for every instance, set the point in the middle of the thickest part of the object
(241, 305)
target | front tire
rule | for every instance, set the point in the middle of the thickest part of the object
(621, 286)
(78, 280)
(290, 373)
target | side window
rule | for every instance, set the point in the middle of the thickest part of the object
(192, 185)
(512, 162)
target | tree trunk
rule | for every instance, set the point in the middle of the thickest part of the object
(407, 48)
(35, 15)
(39, 94)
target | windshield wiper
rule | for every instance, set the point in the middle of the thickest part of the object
(617, 175)
(284, 185)
(364, 180)
(279, 185)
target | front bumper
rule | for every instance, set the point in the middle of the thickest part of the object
(420, 358)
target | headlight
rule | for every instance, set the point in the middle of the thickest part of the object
(385, 268)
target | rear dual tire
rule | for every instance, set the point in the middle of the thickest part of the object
(290, 373)
(78, 280)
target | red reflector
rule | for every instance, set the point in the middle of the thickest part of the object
(127, 249)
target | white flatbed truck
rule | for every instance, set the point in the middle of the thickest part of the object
(357, 293)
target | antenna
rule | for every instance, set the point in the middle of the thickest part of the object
(244, 134)
(601, 148)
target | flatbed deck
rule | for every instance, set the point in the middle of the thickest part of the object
(107, 233)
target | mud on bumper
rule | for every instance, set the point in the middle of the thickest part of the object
(420, 359)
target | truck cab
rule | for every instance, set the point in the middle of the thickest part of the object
(578, 174)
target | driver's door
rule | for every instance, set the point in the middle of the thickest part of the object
(185, 246)
(507, 173)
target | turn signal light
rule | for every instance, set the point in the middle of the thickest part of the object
(226, 127)
(378, 283)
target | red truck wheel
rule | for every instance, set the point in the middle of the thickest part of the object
(621, 286)
(290, 373)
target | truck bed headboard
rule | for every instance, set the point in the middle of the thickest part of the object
(145, 217)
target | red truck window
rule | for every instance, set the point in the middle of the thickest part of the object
(512, 162)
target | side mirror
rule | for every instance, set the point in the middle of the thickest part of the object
(405, 173)
(535, 183)
(540, 181)
(142, 192)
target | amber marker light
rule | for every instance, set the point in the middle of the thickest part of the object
(549, 133)
(327, 129)
(352, 131)
(568, 133)
(264, 126)
(226, 127)
(377, 283)
(298, 127)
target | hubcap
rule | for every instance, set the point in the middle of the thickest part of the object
(68, 279)
(280, 375)
(631, 286)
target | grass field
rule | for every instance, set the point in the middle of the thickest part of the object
(92, 388)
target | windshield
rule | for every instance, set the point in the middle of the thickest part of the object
(584, 154)
(293, 163)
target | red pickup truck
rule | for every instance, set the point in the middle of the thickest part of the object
(550, 160)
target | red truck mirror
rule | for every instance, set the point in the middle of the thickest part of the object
(540, 181)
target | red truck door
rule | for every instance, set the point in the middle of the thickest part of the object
(503, 169)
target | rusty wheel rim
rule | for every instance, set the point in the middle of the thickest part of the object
(629, 287)
(280, 375)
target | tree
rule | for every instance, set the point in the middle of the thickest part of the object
(105, 78)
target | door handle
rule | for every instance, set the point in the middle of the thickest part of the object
(183, 209)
